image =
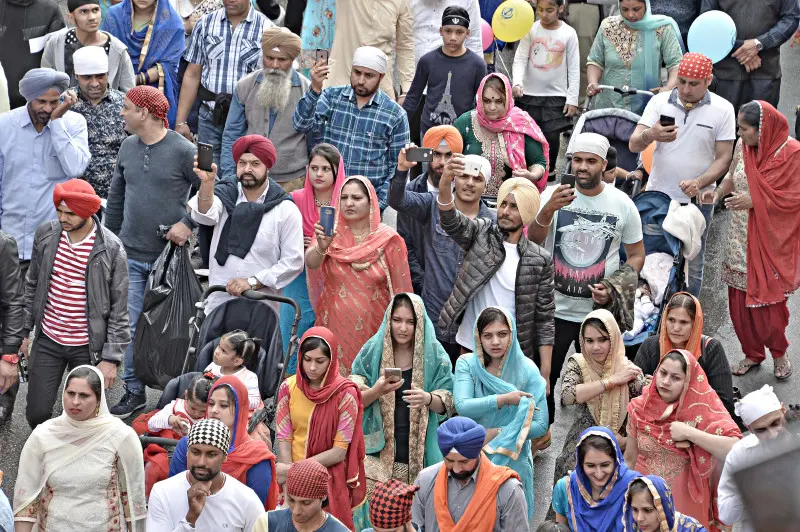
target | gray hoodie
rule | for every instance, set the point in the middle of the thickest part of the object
(120, 69)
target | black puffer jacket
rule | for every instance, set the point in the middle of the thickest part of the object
(482, 240)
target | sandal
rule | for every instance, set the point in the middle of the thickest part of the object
(542, 442)
(783, 371)
(743, 367)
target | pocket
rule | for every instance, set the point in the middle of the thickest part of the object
(249, 56)
(215, 47)
(53, 169)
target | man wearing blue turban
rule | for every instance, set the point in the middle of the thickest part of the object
(467, 492)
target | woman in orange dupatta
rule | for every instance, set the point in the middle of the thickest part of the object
(677, 429)
(363, 266)
(320, 417)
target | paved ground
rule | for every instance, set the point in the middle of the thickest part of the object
(714, 300)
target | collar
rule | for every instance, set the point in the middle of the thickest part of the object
(377, 99)
(251, 15)
(242, 198)
(23, 118)
(674, 100)
(295, 77)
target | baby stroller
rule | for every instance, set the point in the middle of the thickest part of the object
(653, 208)
(617, 125)
(249, 314)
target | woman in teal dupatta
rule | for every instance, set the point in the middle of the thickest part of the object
(401, 418)
(500, 388)
(630, 49)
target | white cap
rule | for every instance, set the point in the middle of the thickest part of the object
(90, 60)
(370, 57)
(591, 143)
(757, 404)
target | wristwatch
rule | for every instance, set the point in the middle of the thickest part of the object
(759, 46)
(253, 282)
(11, 359)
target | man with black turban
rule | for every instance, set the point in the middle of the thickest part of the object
(467, 488)
(263, 103)
(257, 240)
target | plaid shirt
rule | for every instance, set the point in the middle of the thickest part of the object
(226, 55)
(370, 138)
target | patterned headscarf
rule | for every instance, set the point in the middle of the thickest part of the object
(210, 432)
(152, 99)
(695, 66)
(307, 479)
(390, 506)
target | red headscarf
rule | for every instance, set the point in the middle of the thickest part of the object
(773, 246)
(261, 147)
(152, 99)
(695, 66)
(322, 431)
(515, 126)
(79, 196)
(699, 405)
(245, 452)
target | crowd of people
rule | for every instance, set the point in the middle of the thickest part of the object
(426, 375)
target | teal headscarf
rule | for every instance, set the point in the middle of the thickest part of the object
(434, 373)
(646, 66)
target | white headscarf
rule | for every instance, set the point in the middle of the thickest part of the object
(371, 57)
(62, 440)
(591, 143)
(757, 404)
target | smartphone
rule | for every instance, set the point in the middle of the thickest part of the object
(321, 55)
(472, 168)
(665, 120)
(419, 155)
(205, 156)
(393, 374)
(327, 216)
(568, 179)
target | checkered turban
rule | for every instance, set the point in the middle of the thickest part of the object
(695, 66)
(210, 432)
(307, 479)
(152, 99)
(390, 506)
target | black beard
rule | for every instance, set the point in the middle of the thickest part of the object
(464, 475)
(434, 177)
(204, 478)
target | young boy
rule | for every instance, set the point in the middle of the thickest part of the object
(447, 98)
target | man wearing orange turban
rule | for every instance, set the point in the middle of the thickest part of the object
(78, 278)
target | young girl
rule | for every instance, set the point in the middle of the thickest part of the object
(234, 354)
(179, 415)
(546, 74)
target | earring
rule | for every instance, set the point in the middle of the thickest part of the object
(97, 411)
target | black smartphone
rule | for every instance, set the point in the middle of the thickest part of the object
(568, 179)
(205, 156)
(665, 120)
(321, 55)
(327, 216)
(419, 155)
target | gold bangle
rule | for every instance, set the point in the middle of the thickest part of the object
(321, 254)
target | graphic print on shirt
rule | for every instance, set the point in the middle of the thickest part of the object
(445, 113)
(582, 243)
(546, 53)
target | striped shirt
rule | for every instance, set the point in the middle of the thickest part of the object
(369, 139)
(64, 318)
(226, 54)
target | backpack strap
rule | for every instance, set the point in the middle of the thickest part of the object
(704, 341)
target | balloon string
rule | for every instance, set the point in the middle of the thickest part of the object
(500, 57)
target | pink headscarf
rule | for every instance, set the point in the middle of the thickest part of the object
(515, 126)
(304, 198)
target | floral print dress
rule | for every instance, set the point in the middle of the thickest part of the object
(319, 21)
(734, 264)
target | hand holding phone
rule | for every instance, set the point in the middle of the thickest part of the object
(472, 168)
(327, 218)
(419, 155)
(666, 121)
(205, 156)
(321, 55)
(568, 179)
(392, 374)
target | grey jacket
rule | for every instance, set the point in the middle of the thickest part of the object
(106, 289)
(482, 240)
(10, 296)
(120, 68)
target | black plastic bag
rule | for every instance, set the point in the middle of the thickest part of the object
(162, 334)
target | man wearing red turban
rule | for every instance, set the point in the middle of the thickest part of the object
(257, 233)
(76, 297)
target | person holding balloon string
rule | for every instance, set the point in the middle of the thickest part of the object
(546, 75)
(630, 49)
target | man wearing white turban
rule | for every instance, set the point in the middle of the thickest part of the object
(366, 125)
(764, 415)
(41, 144)
(584, 227)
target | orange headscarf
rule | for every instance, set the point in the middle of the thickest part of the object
(694, 345)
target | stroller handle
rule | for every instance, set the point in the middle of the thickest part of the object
(626, 90)
(163, 442)
(254, 294)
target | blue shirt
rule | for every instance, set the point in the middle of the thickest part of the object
(369, 139)
(443, 256)
(31, 163)
(259, 476)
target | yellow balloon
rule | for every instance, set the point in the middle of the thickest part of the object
(512, 20)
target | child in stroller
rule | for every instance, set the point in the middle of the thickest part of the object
(234, 355)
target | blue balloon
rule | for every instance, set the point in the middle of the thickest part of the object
(713, 34)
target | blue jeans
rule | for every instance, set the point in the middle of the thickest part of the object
(208, 133)
(696, 265)
(137, 273)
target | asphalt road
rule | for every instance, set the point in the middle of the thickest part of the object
(717, 324)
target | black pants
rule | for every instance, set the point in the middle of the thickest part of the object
(567, 333)
(48, 361)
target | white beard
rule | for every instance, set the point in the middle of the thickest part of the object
(275, 89)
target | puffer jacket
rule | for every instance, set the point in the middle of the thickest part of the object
(482, 240)
(106, 289)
